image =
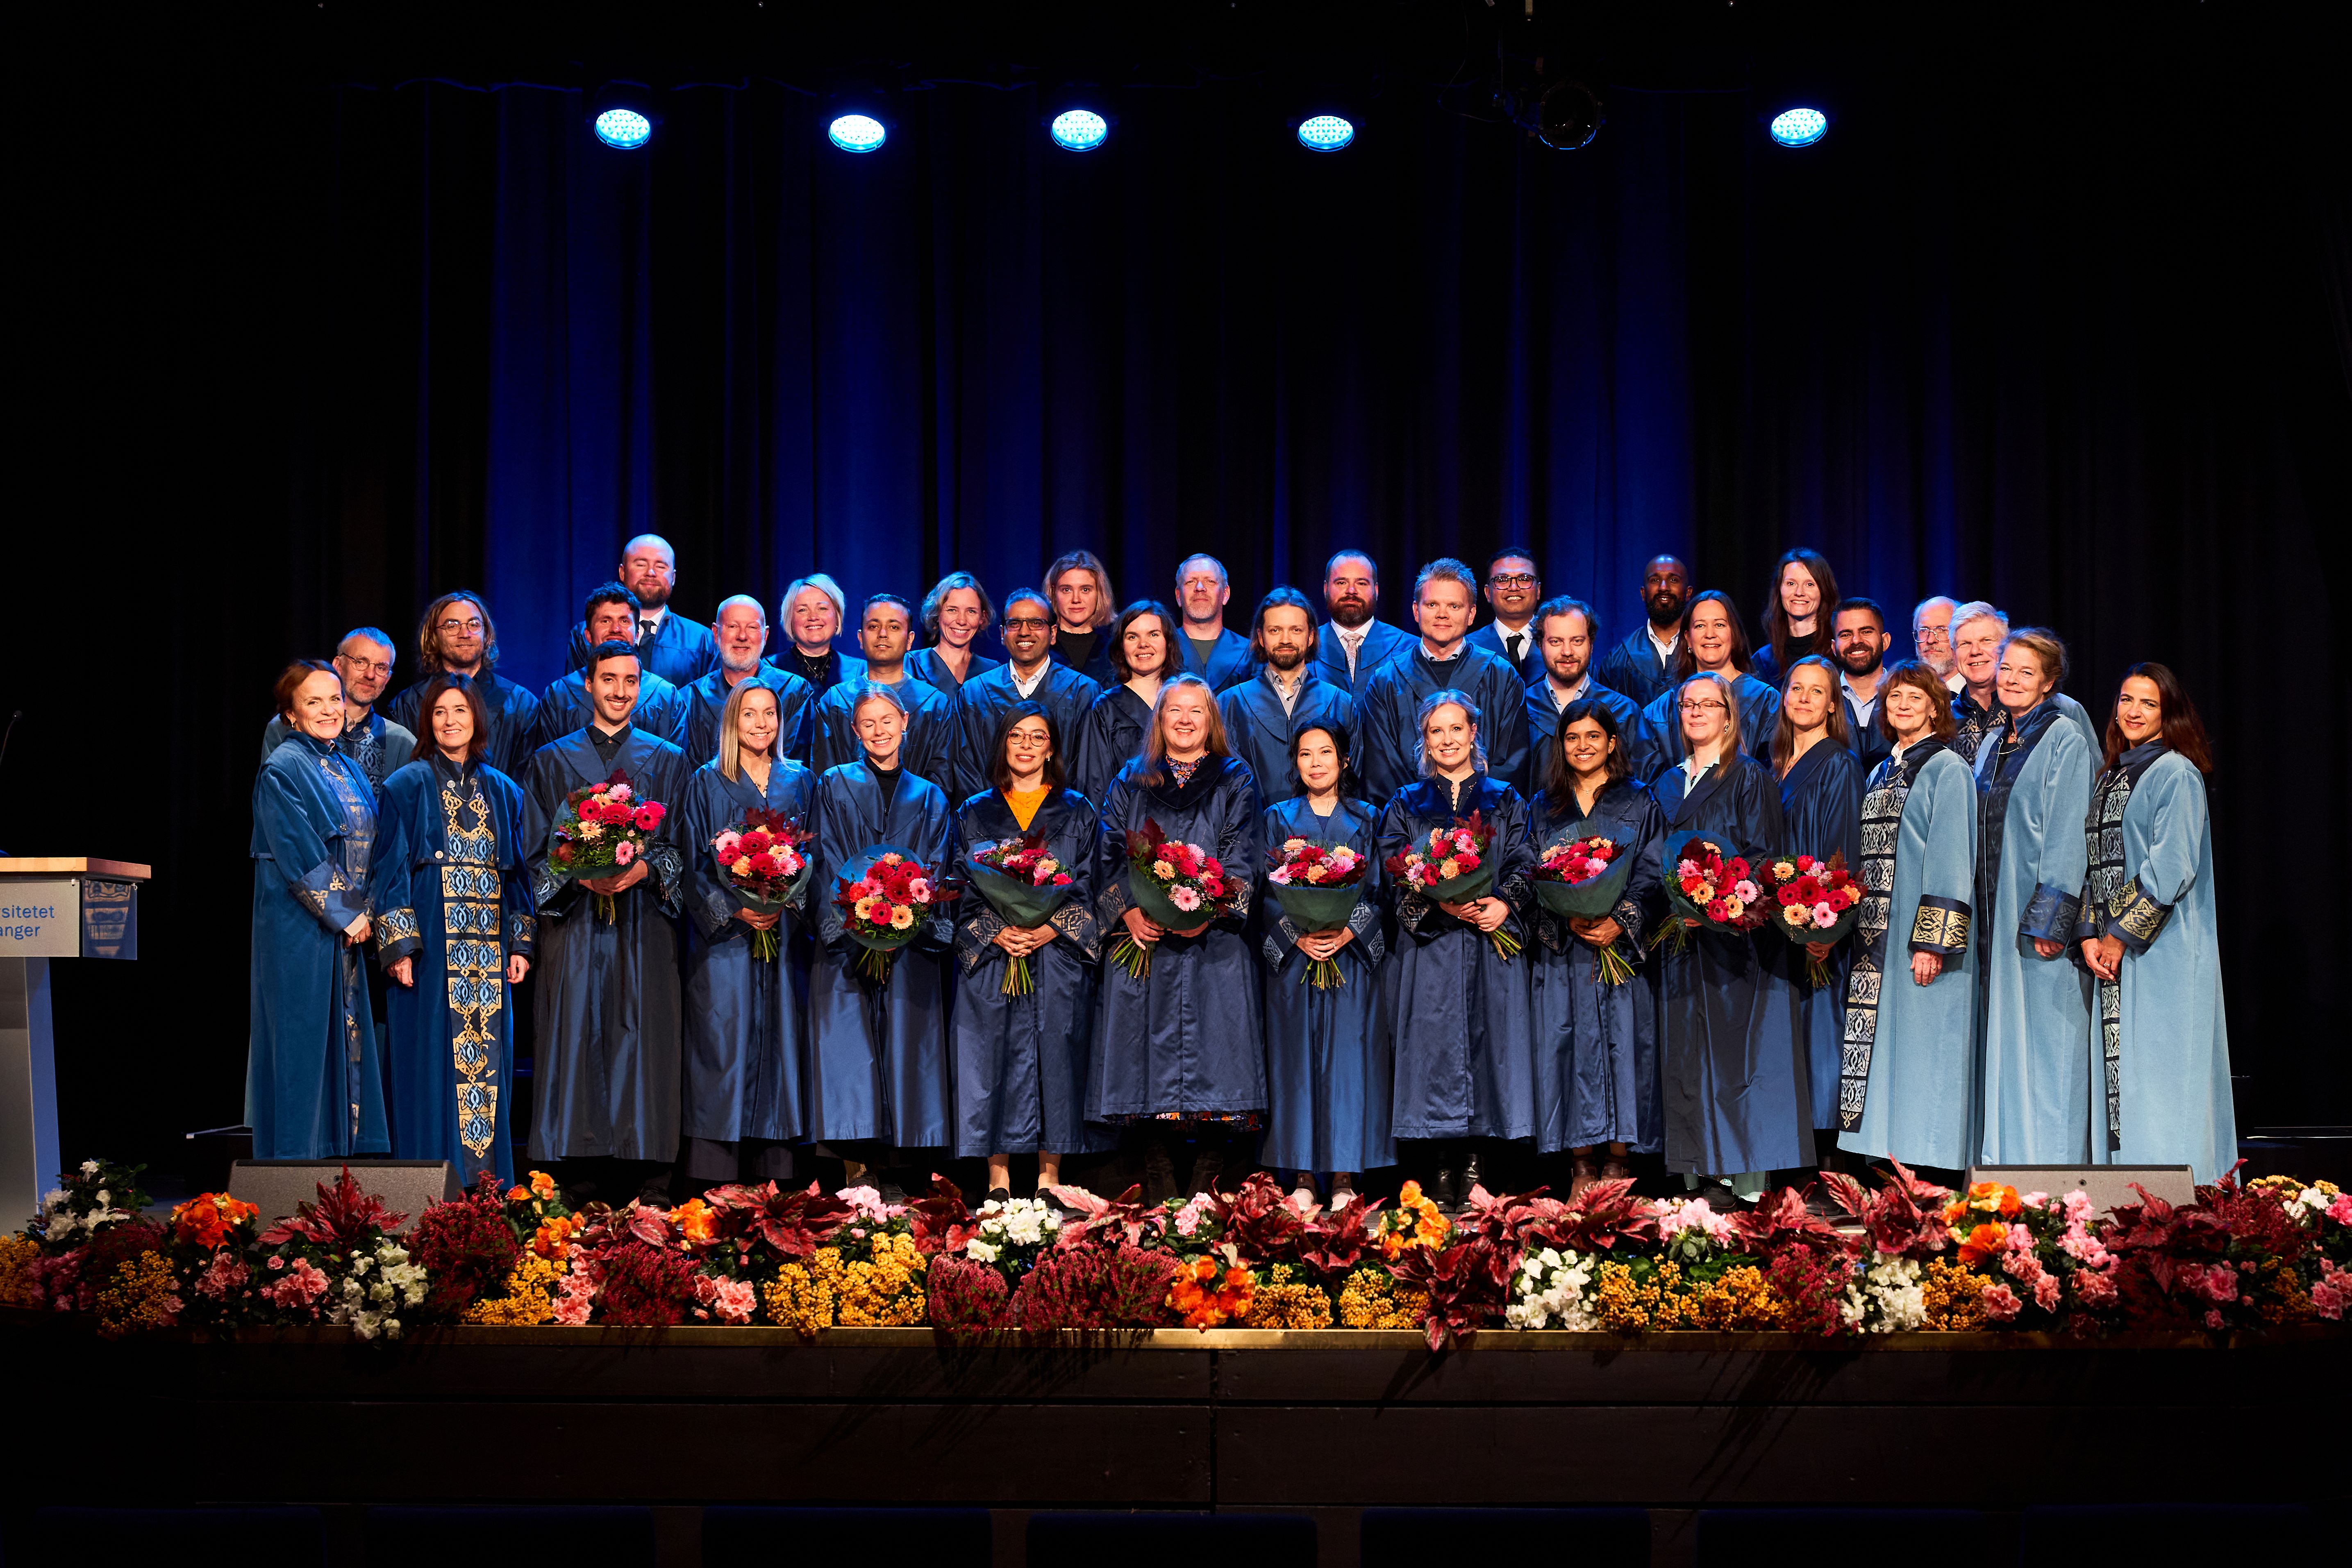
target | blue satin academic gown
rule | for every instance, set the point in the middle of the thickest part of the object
(878, 1053)
(565, 706)
(1382, 643)
(1658, 743)
(2034, 1013)
(512, 713)
(1489, 634)
(1543, 726)
(1633, 668)
(746, 1032)
(1596, 1044)
(704, 703)
(926, 665)
(1097, 666)
(1229, 662)
(1107, 739)
(606, 1071)
(681, 651)
(1820, 814)
(980, 708)
(1329, 1071)
(454, 899)
(313, 1086)
(1386, 752)
(1259, 732)
(928, 751)
(1463, 1032)
(1736, 1086)
(1021, 1061)
(1186, 1038)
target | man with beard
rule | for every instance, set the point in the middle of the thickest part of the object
(456, 636)
(1217, 655)
(1351, 644)
(1079, 585)
(610, 615)
(679, 650)
(1029, 674)
(740, 633)
(1513, 588)
(1566, 631)
(1443, 659)
(1858, 641)
(1642, 665)
(928, 750)
(1931, 638)
(1287, 694)
(363, 660)
(814, 609)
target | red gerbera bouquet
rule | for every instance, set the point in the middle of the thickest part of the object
(1454, 867)
(764, 867)
(1024, 884)
(1815, 901)
(1703, 884)
(1177, 885)
(888, 894)
(1318, 887)
(1584, 877)
(603, 828)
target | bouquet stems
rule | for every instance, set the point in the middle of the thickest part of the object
(605, 909)
(1018, 980)
(1614, 970)
(1671, 935)
(1506, 944)
(1323, 973)
(1817, 970)
(874, 964)
(1132, 956)
(764, 946)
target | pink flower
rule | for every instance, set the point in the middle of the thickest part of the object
(2045, 1292)
(2093, 1288)
(919, 889)
(299, 1288)
(623, 852)
(2214, 1320)
(2001, 1304)
(2021, 1267)
(1184, 898)
(2340, 1211)
(620, 792)
(735, 1300)
(223, 1274)
(570, 1310)
(1824, 917)
(2220, 1283)
(1745, 891)
(1279, 876)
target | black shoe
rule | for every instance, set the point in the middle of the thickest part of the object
(998, 1196)
(1158, 1172)
(1444, 1189)
(1470, 1178)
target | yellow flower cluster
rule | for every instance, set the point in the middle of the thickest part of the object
(1625, 1307)
(802, 1295)
(2286, 1302)
(889, 1292)
(1742, 1299)
(529, 1299)
(1286, 1302)
(1955, 1296)
(16, 1253)
(143, 1294)
(1369, 1300)
(2289, 1187)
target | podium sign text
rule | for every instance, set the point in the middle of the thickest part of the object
(68, 917)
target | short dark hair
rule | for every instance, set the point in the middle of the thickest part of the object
(426, 748)
(1284, 597)
(1565, 605)
(611, 648)
(1351, 553)
(290, 680)
(905, 608)
(1559, 781)
(1032, 595)
(1857, 602)
(1000, 771)
(1509, 551)
(1172, 663)
(610, 593)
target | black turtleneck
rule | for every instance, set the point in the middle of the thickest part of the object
(607, 746)
(821, 672)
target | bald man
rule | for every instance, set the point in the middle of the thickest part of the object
(672, 647)
(739, 633)
(1642, 665)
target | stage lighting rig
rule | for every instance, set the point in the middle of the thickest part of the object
(1327, 132)
(621, 115)
(1567, 117)
(1079, 124)
(1799, 127)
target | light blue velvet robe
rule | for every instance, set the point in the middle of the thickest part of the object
(879, 1053)
(1597, 1045)
(1329, 1069)
(1820, 814)
(313, 1082)
(1924, 1096)
(2034, 1012)
(1259, 732)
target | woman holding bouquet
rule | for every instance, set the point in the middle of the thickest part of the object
(2033, 785)
(1143, 651)
(745, 1054)
(878, 1077)
(1465, 1056)
(1596, 1042)
(1738, 1101)
(1177, 1049)
(2147, 934)
(1327, 1045)
(1909, 1084)
(1021, 1054)
(312, 1086)
(454, 902)
(1821, 816)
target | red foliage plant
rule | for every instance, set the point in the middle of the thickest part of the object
(1905, 1218)
(1334, 1244)
(790, 1222)
(968, 1298)
(640, 1285)
(1467, 1282)
(1260, 1220)
(1781, 1219)
(341, 1218)
(1595, 1220)
(1094, 1287)
(1125, 1220)
(465, 1247)
(940, 1220)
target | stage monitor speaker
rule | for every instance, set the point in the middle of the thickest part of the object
(276, 1186)
(2106, 1186)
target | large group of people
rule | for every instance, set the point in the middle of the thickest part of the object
(2033, 977)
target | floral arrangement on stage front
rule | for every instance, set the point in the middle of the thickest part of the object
(887, 896)
(1455, 866)
(1176, 885)
(602, 828)
(765, 868)
(1906, 1257)
(1813, 900)
(1318, 887)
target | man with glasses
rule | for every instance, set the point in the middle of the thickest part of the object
(363, 659)
(677, 649)
(1642, 665)
(1029, 674)
(1931, 638)
(1514, 588)
(1352, 644)
(456, 636)
(1210, 650)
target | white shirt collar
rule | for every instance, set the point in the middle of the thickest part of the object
(1692, 771)
(1035, 681)
(1667, 646)
(1559, 699)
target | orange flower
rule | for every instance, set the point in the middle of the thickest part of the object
(553, 1238)
(2011, 1205)
(517, 1195)
(207, 1219)
(1986, 1241)
(696, 1220)
(542, 1185)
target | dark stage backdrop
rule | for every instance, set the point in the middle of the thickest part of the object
(351, 347)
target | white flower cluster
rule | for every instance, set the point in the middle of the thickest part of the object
(2309, 1205)
(58, 1221)
(371, 1305)
(1551, 1291)
(1885, 1298)
(1023, 1222)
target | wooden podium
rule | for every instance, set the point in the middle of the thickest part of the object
(58, 906)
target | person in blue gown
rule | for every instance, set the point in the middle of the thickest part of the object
(1737, 1095)
(1352, 643)
(1030, 673)
(1440, 659)
(955, 613)
(741, 632)
(456, 636)
(456, 933)
(1211, 649)
(1907, 1083)
(2161, 1084)
(679, 650)
(1265, 710)
(746, 1044)
(1329, 1072)
(1596, 1043)
(886, 630)
(1800, 616)
(2033, 780)
(607, 1072)
(1712, 641)
(1464, 1038)
(313, 1085)
(610, 615)
(1642, 665)
(1566, 631)
(1021, 1059)
(1177, 1051)
(1821, 816)
(1142, 644)
(879, 1084)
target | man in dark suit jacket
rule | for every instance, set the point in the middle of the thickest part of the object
(1351, 644)
(673, 647)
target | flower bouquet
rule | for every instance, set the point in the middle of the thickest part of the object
(764, 868)
(1582, 876)
(1455, 866)
(1024, 885)
(1318, 887)
(602, 828)
(888, 895)
(1814, 901)
(1705, 885)
(1175, 884)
